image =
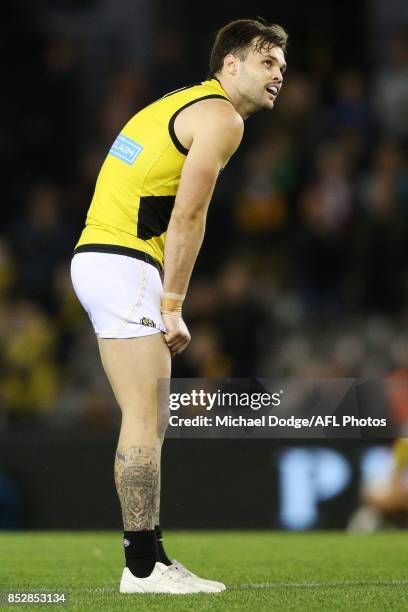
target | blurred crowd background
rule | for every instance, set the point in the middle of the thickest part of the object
(304, 267)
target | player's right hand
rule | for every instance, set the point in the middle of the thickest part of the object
(177, 337)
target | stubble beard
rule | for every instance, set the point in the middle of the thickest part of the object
(252, 102)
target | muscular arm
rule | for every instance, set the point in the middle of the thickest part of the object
(216, 136)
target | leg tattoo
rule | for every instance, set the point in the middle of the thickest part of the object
(157, 508)
(136, 477)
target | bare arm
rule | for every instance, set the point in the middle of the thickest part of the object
(215, 138)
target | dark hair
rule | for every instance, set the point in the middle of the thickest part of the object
(236, 37)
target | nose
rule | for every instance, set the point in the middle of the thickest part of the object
(278, 77)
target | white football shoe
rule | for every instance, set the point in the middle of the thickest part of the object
(163, 579)
(212, 585)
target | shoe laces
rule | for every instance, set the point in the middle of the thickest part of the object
(176, 574)
(181, 568)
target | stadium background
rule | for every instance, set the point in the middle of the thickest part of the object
(303, 271)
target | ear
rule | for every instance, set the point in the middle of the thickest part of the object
(231, 64)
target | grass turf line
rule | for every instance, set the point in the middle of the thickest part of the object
(263, 570)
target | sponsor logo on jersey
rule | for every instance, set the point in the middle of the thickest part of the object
(125, 149)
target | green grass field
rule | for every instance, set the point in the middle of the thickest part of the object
(262, 570)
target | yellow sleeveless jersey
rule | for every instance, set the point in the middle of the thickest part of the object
(137, 184)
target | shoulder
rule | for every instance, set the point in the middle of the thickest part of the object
(213, 111)
(220, 110)
(210, 122)
(217, 120)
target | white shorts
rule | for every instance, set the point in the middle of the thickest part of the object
(121, 294)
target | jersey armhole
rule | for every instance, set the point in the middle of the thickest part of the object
(173, 118)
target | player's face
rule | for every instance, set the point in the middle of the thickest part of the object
(260, 77)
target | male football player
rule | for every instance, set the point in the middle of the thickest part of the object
(146, 223)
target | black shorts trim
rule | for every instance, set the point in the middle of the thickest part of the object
(172, 133)
(119, 250)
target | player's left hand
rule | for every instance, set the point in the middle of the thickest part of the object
(177, 337)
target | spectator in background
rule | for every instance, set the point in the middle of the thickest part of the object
(7, 272)
(299, 113)
(383, 187)
(390, 89)
(29, 373)
(206, 359)
(380, 232)
(50, 130)
(349, 108)
(263, 204)
(240, 333)
(319, 241)
(41, 242)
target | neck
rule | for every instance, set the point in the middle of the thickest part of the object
(237, 101)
